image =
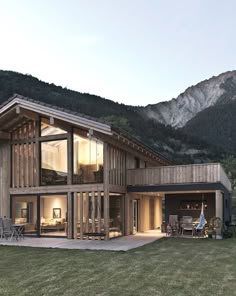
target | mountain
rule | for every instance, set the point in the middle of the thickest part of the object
(177, 112)
(174, 144)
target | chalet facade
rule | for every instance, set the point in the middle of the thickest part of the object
(64, 174)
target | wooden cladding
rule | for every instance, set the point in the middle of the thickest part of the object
(89, 215)
(117, 166)
(25, 132)
(25, 156)
(182, 174)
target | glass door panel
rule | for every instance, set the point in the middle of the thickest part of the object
(24, 211)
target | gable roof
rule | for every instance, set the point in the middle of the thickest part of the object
(79, 119)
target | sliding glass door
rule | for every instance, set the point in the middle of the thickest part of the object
(44, 215)
(24, 211)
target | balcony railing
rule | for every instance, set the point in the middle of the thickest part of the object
(180, 174)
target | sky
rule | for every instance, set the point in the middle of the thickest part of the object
(136, 52)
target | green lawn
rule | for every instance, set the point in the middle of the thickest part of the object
(167, 267)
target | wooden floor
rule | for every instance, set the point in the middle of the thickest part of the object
(124, 243)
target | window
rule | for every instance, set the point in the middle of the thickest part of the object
(54, 162)
(49, 130)
(88, 160)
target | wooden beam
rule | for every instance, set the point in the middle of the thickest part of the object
(13, 165)
(81, 214)
(106, 189)
(87, 213)
(75, 215)
(17, 109)
(99, 208)
(45, 139)
(51, 120)
(70, 158)
(27, 157)
(93, 214)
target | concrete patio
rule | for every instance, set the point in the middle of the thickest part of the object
(124, 243)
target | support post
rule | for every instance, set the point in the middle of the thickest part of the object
(75, 215)
(69, 216)
(219, 204)
(106, 189)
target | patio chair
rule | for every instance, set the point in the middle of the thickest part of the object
(174, 224)
(187, 224)
(1, 228)
(8, 231)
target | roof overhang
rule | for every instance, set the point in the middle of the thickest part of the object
(52, 111)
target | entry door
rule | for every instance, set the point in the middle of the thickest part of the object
(135, 216)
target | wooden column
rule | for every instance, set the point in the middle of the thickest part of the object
(27, 157)
(38, 154)
(81, 214)
(75, 215)
(93, 213)
(69, 216)
(70, 158)
(13, 166)
(106, 189)
(87, 213)
(219, 204)
(4, 178)
(127, 216)
(99, 208)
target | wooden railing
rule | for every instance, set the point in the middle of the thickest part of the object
(179, 174)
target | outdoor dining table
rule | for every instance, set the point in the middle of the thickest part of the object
(18, 230)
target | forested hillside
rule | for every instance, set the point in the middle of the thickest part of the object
(176, 145)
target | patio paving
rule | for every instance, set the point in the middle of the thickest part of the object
(124, 243)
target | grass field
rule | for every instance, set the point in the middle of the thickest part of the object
(167, 267)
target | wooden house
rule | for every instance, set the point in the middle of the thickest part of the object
(65, 174)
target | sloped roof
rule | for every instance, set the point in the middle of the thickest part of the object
(75, 118)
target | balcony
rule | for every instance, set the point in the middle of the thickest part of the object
(179, 174)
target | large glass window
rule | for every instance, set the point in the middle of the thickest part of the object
(116, 215)
(48, 130)
(24, 211)
(54, 163)
(88, 160)
(53, 215)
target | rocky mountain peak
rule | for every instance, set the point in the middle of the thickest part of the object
(177, 112)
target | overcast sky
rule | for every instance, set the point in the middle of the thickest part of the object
(131, 51)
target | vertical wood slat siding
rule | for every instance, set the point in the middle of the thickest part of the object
(18, 161)
(32, 165)
(75, 215)
(99, 208)
(22, 158)
(87, 213)
(13, 166)
(116, 166)
(93, 214)
(81, 214)
(204, 173)
(106, 189)
(27, 157)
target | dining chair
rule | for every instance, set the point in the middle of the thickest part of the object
(8, 230)
(187, 224)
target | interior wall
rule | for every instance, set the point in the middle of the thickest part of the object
(173, 205)
(54, 157)
(48, 203)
